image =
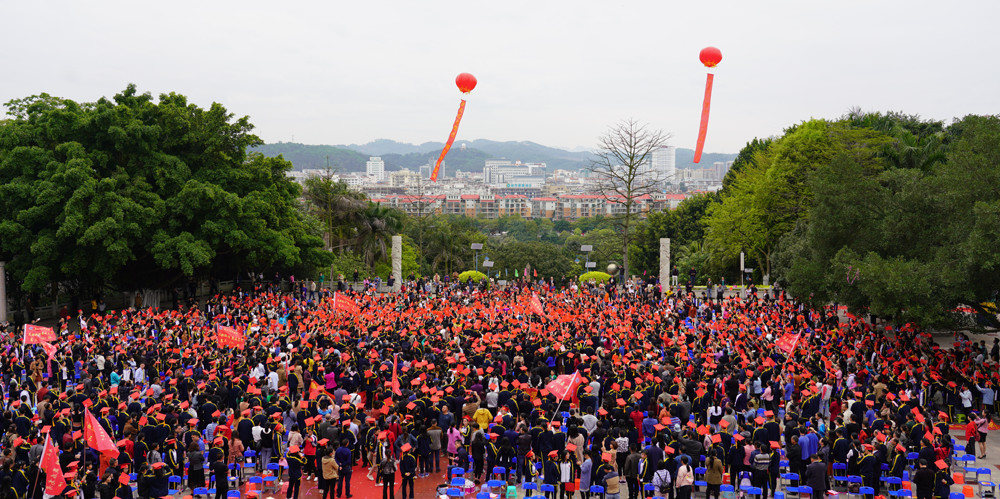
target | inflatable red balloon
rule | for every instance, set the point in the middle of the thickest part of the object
(466, 82)
(710, 57)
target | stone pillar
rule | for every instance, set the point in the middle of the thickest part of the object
(397, 262)
(665, 263)
(3, 292)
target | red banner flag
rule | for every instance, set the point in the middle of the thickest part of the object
(49, 348)
(536, 306)
(564, 386)
(36, 334)
(448, 144)
(230, 337)
(342, 303)
(788, 342)
(96, 437)
(55, 482)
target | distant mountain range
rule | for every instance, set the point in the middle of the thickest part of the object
(464, 155)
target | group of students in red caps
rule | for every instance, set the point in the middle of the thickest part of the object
(554, 390)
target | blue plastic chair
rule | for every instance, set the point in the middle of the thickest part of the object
(956, 495)
(805, 490)
(458, 471)
(866, 491)
(200, 491)
(458, 482)
(893, 483)
(233, 493)
(596, 489)
(174, 480)
(455, 493)
(483, 495)
(528, 487)
(904, 493)
(548, 487)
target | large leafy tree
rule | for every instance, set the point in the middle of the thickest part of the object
(129, 192)
(908, 241)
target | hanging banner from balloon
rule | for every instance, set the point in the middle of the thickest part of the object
(710, 57)
(466, 82)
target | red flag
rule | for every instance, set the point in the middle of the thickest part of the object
(342, 303)
(535, 271)
(55, 482)
(36, 334)
(564, 386)
(229, 337)
(96, 437)
(788, 342)
(395, 377)
(49, 348)
(536, 306)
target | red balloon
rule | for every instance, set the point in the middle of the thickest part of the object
(710, 56)
(466, 82)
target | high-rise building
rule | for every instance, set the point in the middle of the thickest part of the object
(664, 164)
(375, 168)
(425, 171)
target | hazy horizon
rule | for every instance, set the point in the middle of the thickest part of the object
(556, 73)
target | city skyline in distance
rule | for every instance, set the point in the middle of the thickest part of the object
(561, 73)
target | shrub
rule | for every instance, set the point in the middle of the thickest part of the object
(471, 274)
(599, 277)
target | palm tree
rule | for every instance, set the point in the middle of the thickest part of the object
(447, 245)
(337, 207)
(375, 227)
(911, 151)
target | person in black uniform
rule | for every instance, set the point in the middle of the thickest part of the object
(408, 469)
(159, 485)
(296, 461)
(221, 474)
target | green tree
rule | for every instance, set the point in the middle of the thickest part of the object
(128, 192)
(376, 226)
(336, 206)
(907, 243)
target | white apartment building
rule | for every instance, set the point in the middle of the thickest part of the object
(375, 168)
(664, 163)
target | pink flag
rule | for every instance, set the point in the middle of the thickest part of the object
(564, 385)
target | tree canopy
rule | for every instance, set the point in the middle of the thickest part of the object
(133, 192)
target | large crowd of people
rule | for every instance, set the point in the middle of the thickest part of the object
(565, 389)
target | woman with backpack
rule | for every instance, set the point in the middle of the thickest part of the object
(387, 470)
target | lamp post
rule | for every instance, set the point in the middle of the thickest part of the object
(586, 249)
(476, 247)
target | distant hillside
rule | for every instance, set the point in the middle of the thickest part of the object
(398, 155)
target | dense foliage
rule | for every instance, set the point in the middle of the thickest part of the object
(130, 192)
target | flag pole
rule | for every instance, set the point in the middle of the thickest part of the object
(575, 375)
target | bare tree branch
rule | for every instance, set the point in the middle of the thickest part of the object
(622, 171)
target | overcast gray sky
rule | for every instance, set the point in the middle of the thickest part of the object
(553, 72)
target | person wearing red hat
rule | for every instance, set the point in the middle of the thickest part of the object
(296, 462)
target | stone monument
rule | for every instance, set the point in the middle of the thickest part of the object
(665, 263)
(397, 263)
